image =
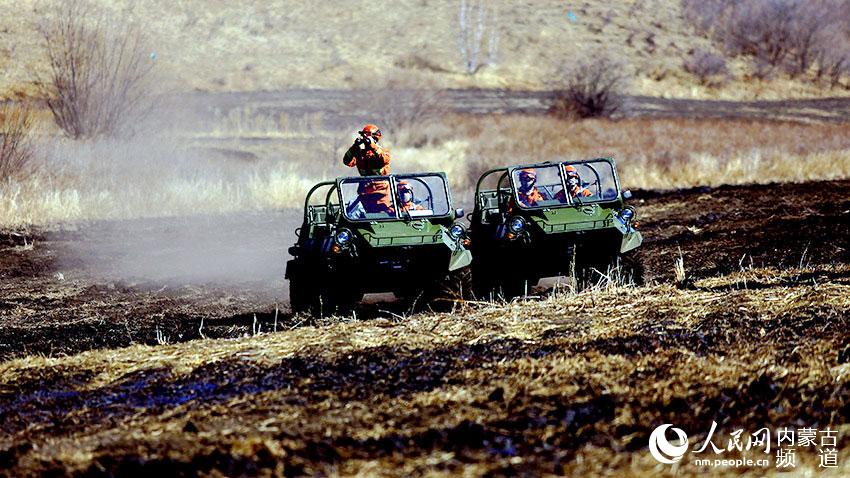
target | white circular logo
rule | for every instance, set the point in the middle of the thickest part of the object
(664, 451)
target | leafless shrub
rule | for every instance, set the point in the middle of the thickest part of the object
(791, 35)
(592, 88)
(833, 66)
(703, 14)
(806, 35)
(758, 29)
(832, 58)
(478, 28)
(709, 67)
(16, 150)
(762, 70)
(98, 80)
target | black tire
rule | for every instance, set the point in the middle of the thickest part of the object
(484, 287)
(303, 295)
(319, 296)
(631, 268)
(516, 287)
(456, 287)
(489, 284)
(336, 300)
(622, 269)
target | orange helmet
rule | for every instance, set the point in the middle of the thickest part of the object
(528, 173)
(570, 170)
(373, 187)
(404, 187)
(371, 130)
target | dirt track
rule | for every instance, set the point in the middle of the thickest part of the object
(115, 284)
(342, 108)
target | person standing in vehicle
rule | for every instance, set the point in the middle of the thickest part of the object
(367, 154)
(373, 197)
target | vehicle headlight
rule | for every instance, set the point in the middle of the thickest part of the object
(457, 231)
(343, 237)
(516, 224)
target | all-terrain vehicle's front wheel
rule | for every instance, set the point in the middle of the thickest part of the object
(613, 269)
(489, 283)
(319, 295)
(336, 299)
(454, 288)
(303, 293)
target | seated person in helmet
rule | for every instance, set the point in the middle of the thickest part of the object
(367, 154)
(373, 197)
(527, 192)
(573, 185)
(406, 199)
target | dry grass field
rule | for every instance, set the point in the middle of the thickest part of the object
(145, 327)
(107, 371)
(168, 176)
(568, 385)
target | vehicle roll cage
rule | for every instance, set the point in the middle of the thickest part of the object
(393, 179)
(508, 172)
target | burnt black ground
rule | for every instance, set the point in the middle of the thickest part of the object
(112, 284)
(747, 355)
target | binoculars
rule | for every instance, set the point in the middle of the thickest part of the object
(363, 141)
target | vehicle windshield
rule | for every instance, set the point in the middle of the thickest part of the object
(565, 183)
(399, 196)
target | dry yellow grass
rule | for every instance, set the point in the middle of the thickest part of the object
(114, 181)
(227, 46)
(571, 384)
(650, 153)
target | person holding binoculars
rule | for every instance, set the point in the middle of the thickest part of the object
(367, 154)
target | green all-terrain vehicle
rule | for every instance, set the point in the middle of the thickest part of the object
(375, 234)
(551, 219)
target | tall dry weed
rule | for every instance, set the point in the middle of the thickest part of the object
(16, 148)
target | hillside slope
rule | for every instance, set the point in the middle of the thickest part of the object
(228, 46)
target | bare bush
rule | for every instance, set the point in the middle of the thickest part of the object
(791, 35)
(832, 58)
(833, 66)
(16, 153)
(709, 67)
(805, 36)
(98, 80)
(593, 87)
(703, 14)
(760, 29)
(478, 28)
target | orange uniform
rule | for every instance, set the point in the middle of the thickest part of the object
(405, 198)
(573, 185)
(410, 206)
(527, 192)
(577, 191)
(530, 198)
(370, 158)
(375, 197)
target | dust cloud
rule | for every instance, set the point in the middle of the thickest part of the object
(173, 211)
(233, 249)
